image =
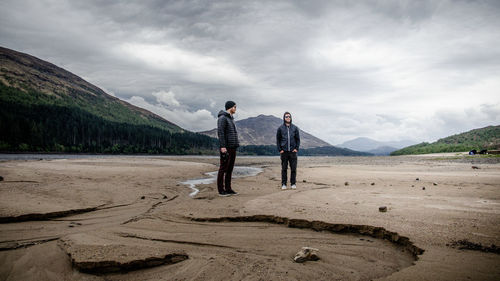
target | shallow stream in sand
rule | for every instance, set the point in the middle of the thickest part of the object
(238, 172)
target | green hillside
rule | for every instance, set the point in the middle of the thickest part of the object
(45, 108)
(479, 139)
(28, 80)
(35, 122)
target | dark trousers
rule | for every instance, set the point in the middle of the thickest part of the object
(288, 157)
(226, 170)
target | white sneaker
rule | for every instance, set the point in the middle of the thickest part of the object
(283, 187)
(294, 186)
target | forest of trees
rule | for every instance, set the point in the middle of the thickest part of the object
(29, 125)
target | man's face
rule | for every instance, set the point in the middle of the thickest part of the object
(288, 118)
(232, 110)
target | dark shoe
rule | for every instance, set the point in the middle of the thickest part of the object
(224, 194)
(232, 192)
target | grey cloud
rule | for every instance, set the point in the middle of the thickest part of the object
(386, 57)
(457, 121)
(492, 112)
(474, 59)
(406, 10)
(388, 119)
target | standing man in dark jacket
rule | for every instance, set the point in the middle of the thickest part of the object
(288, 142)
(228, 141)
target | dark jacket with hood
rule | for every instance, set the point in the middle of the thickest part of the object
(287, 137)
(226, 130)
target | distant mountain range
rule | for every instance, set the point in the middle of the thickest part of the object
(46, 108)
(484, 138)
(261, 130)
(375, 147)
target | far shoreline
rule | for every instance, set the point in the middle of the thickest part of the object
(26, 156)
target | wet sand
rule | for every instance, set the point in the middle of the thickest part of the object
(130, 218)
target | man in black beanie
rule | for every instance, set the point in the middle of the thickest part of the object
(228, 141)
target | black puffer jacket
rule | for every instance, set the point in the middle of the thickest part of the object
(228, 136)
(287, 137)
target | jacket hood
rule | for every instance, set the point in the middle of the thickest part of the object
(286, 114)
(222, 112)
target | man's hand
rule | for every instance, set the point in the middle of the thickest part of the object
(223, 150)
(295, 150)
(281, 151)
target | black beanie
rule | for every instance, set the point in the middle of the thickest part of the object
(230, 104)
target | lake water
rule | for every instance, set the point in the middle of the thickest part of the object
(40, 156)
(238, 172)
(56, 156)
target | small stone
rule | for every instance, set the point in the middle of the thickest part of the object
(423, 188)
(1, 178)
(434, 183)
(372, 183)
(304, 181)
(475, 167)
(143, 197)
(417, 179)
(306, 254)
(165, 197)
(412, 185)
(346, 183)
(382, 209)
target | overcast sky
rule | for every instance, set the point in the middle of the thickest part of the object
(387, 70)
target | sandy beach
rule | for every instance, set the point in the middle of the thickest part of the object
(131, 218)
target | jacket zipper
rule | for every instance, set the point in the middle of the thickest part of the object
(288, 129)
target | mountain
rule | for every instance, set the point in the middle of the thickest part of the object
(261, 130)
(479, 139)
(375, 147)
(271, 150)
(46, 108)
(332, 151)
(32, 75)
